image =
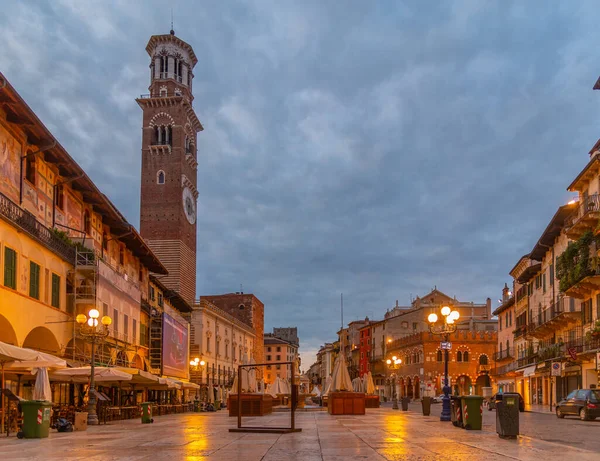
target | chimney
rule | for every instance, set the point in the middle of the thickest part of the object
(488, 303)
(505, 294)
(396, 303)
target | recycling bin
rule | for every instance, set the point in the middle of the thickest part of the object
(36, 418)
(405, 401)
(455, 413)
(147, 413)
(507, 415)
(426, 404)
(197, 406)
(472, 411)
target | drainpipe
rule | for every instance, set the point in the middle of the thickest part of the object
(39, 151)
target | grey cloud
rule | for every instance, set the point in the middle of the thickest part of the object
(376, 150)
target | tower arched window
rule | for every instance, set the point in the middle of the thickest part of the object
(160, 177)
(87, 222)
(483, 360)
(164, 66)
(459, 356)
(465, 356)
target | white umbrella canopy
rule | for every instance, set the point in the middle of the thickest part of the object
(340, 378)
(42, 390)
(11, 356)
(370, 385)
(83, 375)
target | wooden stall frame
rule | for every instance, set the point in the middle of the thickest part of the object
(264, 429)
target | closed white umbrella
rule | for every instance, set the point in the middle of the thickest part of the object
(340, 378)
(357, 385)
(370, 387)
(316, 391)
(211, 391)
(42, 390)
(234, 387)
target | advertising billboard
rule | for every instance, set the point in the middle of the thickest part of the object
(175, 348)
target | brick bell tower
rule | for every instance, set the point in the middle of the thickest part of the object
(169, 162)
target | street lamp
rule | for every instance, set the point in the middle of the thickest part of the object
(444, 328)
(394, 363)
(91, 328)
(198, 365)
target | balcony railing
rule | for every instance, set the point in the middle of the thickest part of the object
(584, 217)
(505, 354)
(32, 227)
(512, 366)
(520, 331)
(560, 314)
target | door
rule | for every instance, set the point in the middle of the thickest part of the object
(579, 401)
(569, 406)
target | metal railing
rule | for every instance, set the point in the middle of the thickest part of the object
(588, 205)
(505, 354)
(29, 224)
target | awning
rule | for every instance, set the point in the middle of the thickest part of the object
(502, 383)
(140, 376)
(529, 371)
(186, 384)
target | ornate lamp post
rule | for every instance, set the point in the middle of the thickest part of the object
(444, 328)
(198, 365)
(394, 363)
(91, 328)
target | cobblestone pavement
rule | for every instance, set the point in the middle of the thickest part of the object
(381, 434)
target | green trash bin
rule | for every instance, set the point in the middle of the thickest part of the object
(196, 406)
(472, 411)
(147, 413)
(36, 418)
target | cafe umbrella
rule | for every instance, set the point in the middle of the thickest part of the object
(12, 357)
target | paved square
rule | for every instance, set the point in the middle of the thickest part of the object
(379, 435)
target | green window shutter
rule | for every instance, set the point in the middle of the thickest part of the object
(10, 268)
(55, 291)
(34, 280)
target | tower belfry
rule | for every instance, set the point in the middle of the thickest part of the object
(169, 161)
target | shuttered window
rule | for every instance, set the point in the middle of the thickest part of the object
(34, 280)
(10, 268)
(55, 301)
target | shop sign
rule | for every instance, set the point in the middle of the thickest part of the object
(572, 352)
(556, 369)
(446, 345)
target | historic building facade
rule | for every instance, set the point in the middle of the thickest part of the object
(221, 340)
(64, 248)
(279, 350)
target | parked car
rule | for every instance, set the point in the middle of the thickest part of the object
(584, 403)
(491, 402)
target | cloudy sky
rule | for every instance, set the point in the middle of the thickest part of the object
(371, 148)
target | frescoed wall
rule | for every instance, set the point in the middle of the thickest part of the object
(10, 155)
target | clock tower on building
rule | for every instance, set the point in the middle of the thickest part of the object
(169, 162)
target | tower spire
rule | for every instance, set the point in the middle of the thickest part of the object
(172, 32)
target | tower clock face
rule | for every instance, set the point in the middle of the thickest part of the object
(189, 205)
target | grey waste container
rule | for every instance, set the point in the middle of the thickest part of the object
(507, 415)
(405, 401)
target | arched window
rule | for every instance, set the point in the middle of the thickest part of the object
(163, 92)
(459, 356)
(483, 360)
(500, 350)
(439, 356)
(160, 177)
(507, 347)
(87, 222)
(465, 356)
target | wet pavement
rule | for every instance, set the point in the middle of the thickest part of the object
(381, 434)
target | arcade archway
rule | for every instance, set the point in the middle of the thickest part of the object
(7, 332)
(42, 339)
